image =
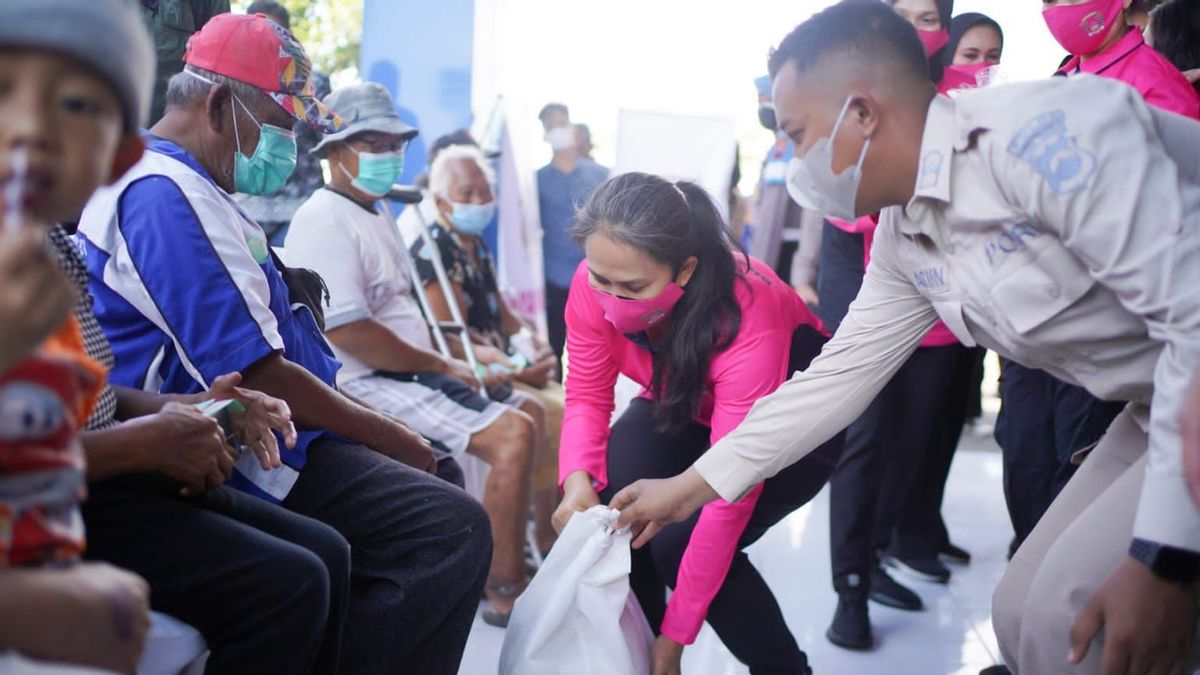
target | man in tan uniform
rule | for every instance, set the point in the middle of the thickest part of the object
(1056, 223)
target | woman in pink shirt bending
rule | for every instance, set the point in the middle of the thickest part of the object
(664, 299)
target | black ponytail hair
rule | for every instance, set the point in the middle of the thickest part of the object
(938, 59)
(672, 222)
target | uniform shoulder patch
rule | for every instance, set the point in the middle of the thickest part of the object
(1046, 143)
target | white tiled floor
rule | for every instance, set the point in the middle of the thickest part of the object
(952, 637)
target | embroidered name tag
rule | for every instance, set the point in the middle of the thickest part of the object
(1046, 144)
(930, 279)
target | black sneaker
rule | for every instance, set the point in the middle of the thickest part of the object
(923, 569)
(887, 591)
(851, 627)
(955, 554)
(996, 670)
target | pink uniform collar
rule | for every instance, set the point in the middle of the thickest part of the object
(1116, 52)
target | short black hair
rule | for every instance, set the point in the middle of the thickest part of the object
(551, 108)
(271, 9)
(854, 29)
(457, 137)
(1175, 25)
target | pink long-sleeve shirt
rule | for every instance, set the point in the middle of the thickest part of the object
(1137, 64)
(754, 365)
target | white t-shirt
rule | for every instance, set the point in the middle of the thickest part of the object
(357, 252)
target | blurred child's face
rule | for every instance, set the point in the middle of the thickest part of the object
(70, 123)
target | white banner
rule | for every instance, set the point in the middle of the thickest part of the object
(679, 147)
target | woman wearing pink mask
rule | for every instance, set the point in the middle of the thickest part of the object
(1101, 41)
(931, 18)
(976, 44)
(665, 299)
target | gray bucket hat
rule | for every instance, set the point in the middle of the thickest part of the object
(105, 35)
(366, 106)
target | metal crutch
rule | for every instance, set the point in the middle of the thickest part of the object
(412, 195)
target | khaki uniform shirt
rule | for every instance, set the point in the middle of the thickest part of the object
(1056, 223)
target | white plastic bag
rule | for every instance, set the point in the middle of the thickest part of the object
(578, 616)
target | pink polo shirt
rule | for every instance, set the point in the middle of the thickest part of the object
(938, 336)
(754, 365)
(1137, 64)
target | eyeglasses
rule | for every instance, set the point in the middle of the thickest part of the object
(379, 144)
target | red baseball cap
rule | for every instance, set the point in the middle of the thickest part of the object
(253, 49)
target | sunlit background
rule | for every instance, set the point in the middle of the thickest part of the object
(695, 57)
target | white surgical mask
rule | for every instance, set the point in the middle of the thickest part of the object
(561, 138)
(813, 185)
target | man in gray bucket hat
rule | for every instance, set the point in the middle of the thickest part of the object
(380, 335)
(368, 107)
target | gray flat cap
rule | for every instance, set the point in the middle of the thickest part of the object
(107, 36)
(366, 106)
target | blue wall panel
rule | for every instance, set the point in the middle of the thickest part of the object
(421, 51)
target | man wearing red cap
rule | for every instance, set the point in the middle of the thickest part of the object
(186, 289)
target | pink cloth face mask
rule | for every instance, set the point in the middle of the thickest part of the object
(634, 316)
(1081, 29)
(933, 40)
(972, 71)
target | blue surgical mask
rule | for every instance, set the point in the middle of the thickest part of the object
(813, 184)
(472, 219)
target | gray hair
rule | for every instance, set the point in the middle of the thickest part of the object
(439, 173)
(185, 88)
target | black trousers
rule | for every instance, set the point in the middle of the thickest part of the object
(1042, 422)
(920, 530)
(744, 612)
(266, 587)
(975, 400)
(556, 317)
(420, 552)
(884, 449)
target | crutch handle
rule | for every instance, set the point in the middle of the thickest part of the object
(405, 194)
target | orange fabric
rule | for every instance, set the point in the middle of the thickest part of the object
(45, 401)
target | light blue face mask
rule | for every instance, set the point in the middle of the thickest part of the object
(274, 159)
(472, 219)
(377, 172)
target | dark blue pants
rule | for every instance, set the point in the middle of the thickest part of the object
(420, 551)
(839, 274)
(556, 318)
(266, 587)
(1043, 421)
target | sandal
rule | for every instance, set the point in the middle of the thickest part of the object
(504, 591)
